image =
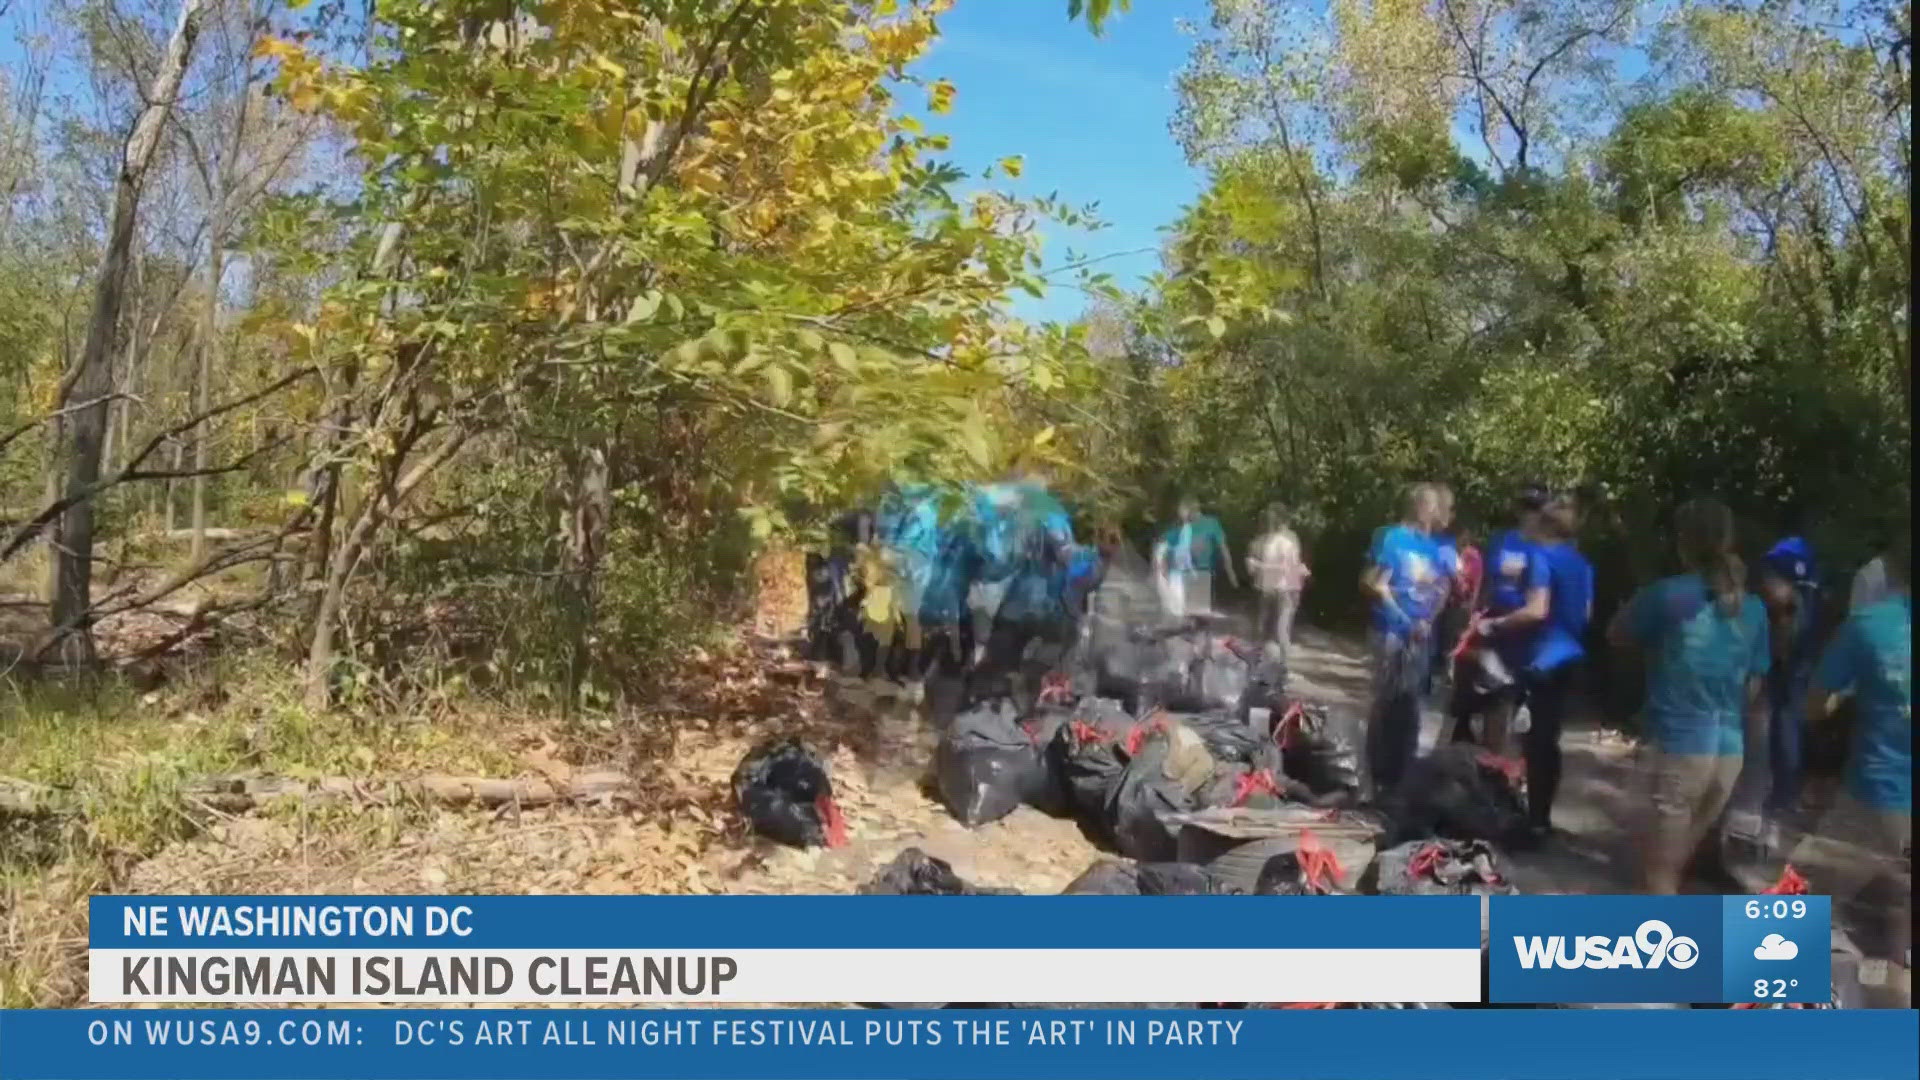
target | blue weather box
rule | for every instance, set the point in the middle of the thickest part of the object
(1687, 949)
(1778, 949)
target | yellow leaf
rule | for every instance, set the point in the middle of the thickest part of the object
(1012, 165)
(974, 440)
(1217, 326)
(609, 66)
(1044, 436)
(779, 385)
(844, 357)
(940, 96)
(297, 498)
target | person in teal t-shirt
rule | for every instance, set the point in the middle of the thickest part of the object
(1707, 651)
(1185, 558)
(1871, 657)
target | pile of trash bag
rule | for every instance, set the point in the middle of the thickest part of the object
(1086, 757)
(1166, 765)
(782, 787)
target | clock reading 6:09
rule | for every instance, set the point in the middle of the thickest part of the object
(1777, 909)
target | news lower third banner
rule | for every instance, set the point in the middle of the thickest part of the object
(782, 949)
(792, 1044)
(1045, 949)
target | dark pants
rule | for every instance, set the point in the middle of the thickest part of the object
(1547, 694)
(1393, 728)
(1786, 722)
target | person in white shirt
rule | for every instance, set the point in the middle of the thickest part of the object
(1280, 574)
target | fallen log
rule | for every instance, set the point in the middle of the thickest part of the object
(241, 794)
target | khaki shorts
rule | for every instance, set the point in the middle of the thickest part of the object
(1685, 794)
(1853, 846)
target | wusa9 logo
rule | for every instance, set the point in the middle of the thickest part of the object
(1653, 945)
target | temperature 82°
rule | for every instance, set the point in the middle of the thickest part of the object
(1772, 988)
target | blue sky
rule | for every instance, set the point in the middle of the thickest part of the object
(1088, 115)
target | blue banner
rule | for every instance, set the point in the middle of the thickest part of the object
(1615, 949)
(785, 922)
(543, 1044)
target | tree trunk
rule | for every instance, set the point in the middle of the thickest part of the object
(203, 378)
(73, 592)
(589, 506)
(346, 558)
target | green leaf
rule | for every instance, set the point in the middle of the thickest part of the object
(645, 306)
(1012, 165)
(1217, 326)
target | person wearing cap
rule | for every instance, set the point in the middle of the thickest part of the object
(1516, 599)
(1789, 590)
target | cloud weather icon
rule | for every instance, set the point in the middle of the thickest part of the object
(1775, 947)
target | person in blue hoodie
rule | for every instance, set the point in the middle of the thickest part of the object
(1558, 648)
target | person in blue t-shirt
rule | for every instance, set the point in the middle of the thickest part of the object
(1406, 589)
(1558, 647)
(1708, 654)
(1514, 601)
(1871, 657)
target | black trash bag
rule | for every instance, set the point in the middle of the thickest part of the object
(1236, 785)
(1177, 879)
(1086, 757)
(782, 788)
(1440, 868)
(1147, 790)
(913, 872)
(1308, 870)
(1115, 877)
(1459, 792)
(1230, 739)
(1266, 687)
(1322, 747)
(1193, 672)
(986, 763)
(1108, 877)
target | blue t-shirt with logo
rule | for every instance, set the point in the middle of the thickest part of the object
(1699, 663)
(1562, 640)
(1514, 567)
(1872, 656)
(1408, 557)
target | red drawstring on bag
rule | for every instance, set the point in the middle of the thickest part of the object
(1319, 867)
(1790, 884)
(1251, 783)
